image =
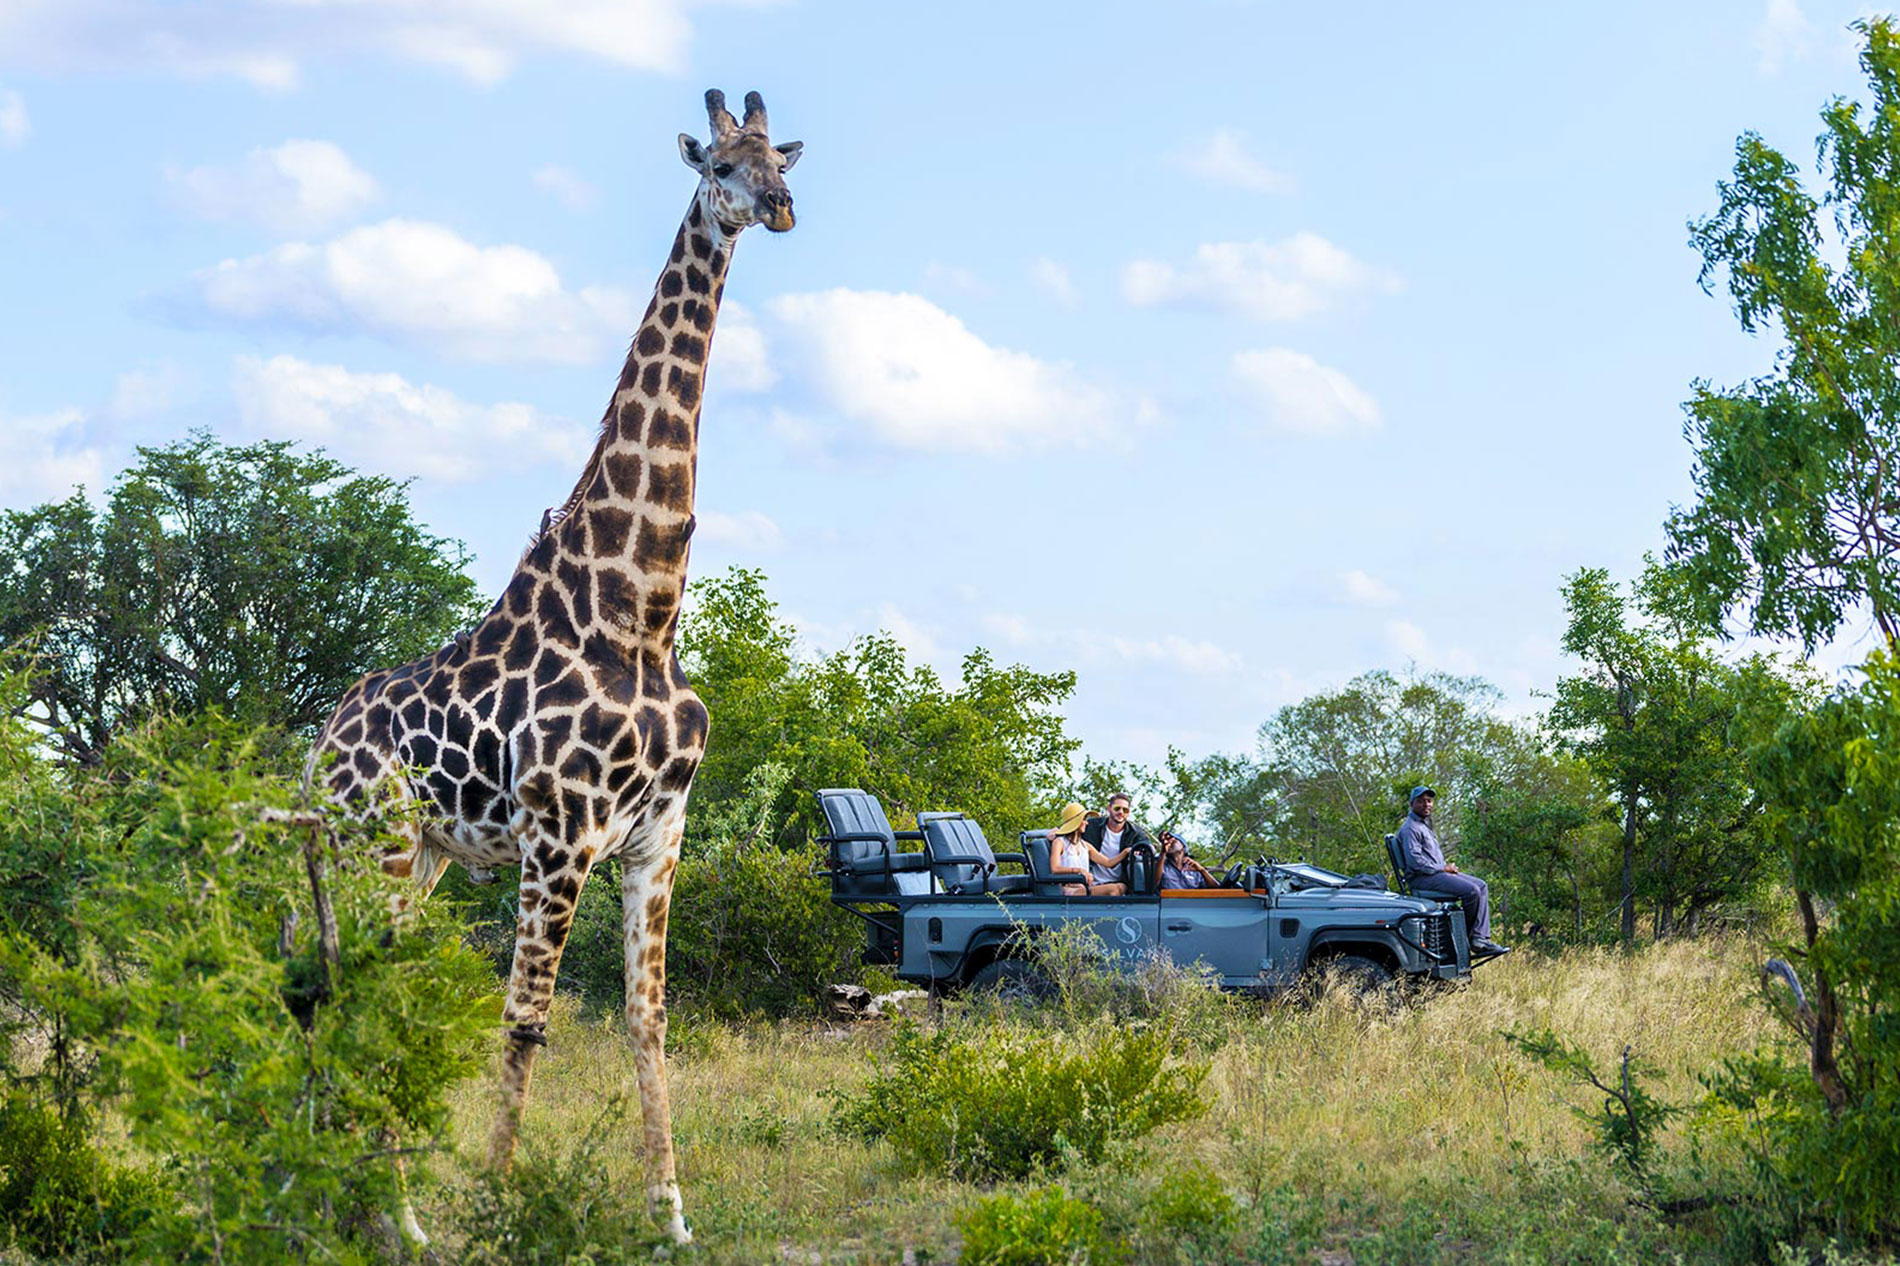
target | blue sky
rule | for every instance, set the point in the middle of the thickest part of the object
(1219, 352)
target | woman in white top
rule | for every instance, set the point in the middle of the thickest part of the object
(1070, 854)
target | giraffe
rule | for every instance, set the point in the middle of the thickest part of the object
(561, 731)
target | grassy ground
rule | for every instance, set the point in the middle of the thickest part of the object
(1339, 1133)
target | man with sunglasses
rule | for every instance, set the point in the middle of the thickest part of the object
(1112, 837)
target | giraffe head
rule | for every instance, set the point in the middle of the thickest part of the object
(742, 174)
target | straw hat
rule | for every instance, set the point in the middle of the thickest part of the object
(1073, 816)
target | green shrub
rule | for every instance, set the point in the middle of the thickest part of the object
(272, 1043)
(1192, 1210)
(556, 1208)
(1039, 1228)
(59, 1195)
(999, 1103)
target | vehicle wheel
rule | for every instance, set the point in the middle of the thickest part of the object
(1013, 980)
(1365, 980)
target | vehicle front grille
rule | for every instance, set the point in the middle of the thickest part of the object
(1434, 934)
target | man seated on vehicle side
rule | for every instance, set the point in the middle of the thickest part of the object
(1110, 839)
(1426, 867)
(1178, 870)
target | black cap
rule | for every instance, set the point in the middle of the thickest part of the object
(1421, 791)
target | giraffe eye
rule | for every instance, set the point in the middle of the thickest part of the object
(722, 170)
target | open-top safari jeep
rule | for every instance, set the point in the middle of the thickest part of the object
(940, 912)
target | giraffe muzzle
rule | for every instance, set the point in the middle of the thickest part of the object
(775, 211)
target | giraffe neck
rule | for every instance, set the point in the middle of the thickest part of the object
(618, 553)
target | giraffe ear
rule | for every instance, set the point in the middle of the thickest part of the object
(693, 153)
(791, 150)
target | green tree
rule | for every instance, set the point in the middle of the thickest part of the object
(1340, 763)
(256, 580)
(992, 744)
(1539, 817)
(1665, 725)
(1796, 525)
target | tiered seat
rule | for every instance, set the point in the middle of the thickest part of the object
(961, 858)
(865, 862)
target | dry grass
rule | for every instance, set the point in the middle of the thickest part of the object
(1360, 1113)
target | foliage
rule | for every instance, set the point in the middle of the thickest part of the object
(555, 1206)
(991, 745)
(1190, 1208)
(256, 580)
(1665, 725)
(1045, 1227)
(1539, 817)
(60, 1194)
(218, 977)
(1795, 525)
(997, 1103)
(1833, 777)
(1628, 1119)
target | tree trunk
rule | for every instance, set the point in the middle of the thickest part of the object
(1629, 866)
(1827, 1016)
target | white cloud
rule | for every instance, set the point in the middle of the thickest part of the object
(384, 422)
(43, 456)
(740, 359)
(1783, 34)
(15, 127)
(568, 189)
(919, 642)
(918, 379)
(1268, 281)
(957, 278)
(1362, 590)
(1091, 646)
(296, 187)
(1411, 641)
(420, 284)
(1054, 279)
(1224, 160)
(146, 392)
(751, 532)
(268, 42)
(1299, 394)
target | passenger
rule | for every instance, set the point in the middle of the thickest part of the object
(1426, 867)
(1110, 839)
(1178, 870)
(1068, 855)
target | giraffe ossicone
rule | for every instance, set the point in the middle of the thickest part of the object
(561, 731)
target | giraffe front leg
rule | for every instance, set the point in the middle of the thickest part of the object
(646, 891)
(551, 880)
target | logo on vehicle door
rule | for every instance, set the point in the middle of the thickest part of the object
(1128, 931)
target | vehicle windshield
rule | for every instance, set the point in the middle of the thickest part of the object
(1313, 874)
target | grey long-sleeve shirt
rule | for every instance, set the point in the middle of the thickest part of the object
(1419, 846)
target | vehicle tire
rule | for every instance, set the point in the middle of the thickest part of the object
(1365, 980)
(1013, 980)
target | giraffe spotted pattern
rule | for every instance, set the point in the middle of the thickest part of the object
(561, 730)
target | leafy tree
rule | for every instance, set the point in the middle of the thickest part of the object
(1664, 724)
(1832, 777)
(1797, 521)
(256, 580)
(1539, 817)
(1342, 762)
(991, 745)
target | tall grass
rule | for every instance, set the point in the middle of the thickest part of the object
(1407, 1134)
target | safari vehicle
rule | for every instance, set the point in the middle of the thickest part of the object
(940, 912)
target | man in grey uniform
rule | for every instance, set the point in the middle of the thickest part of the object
(1426, 867)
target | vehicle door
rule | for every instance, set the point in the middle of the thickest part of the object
(1227, 931)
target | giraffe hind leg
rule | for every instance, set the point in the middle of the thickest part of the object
(548, 896)
(646, 889)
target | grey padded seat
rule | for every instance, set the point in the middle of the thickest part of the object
(961, 858)
(1406, 886)
(1036, 851)
(864, 857)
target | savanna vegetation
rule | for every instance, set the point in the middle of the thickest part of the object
(220, 1046)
